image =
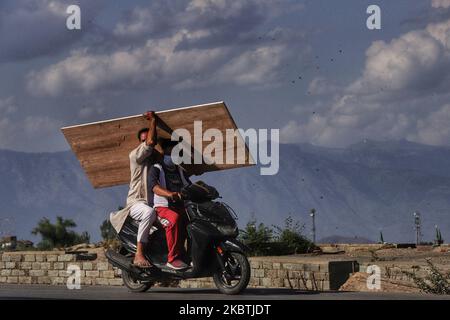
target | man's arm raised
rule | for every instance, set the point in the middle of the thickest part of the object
(145, 150)
(151, 136)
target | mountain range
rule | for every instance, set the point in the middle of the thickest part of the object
(357, 191)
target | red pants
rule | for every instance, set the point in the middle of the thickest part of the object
(174, 222)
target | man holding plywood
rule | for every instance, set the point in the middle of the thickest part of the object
(107, 152)
(137, 205)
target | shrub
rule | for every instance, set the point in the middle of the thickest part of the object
(57, 235)
(265, 241)
(257, 238)
(291, 237)
(435, 282)
(107, 231)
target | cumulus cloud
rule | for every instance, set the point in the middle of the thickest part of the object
(434, 128)
(156, 61)
(440, 4)
(223, 19)
(7, 106)
(414, 61)
(146, 21)
(401, 93)
(322, 86)
(176, 58)
(34, 28)
(258, 68)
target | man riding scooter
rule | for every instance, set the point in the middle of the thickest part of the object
(213, 250)
(165, 181)
(137, 206)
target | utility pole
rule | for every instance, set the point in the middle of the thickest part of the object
(417, 224)
(313, 216)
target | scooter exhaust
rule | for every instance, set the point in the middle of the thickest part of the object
(118, 260)
(125, 264)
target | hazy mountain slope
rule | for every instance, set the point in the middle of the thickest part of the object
(50, 184)
(357, 191)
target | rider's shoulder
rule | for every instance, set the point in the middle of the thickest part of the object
(134, 151)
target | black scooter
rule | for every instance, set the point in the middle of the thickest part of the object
(212, 247)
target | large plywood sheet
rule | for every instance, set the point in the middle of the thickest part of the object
(103, 147)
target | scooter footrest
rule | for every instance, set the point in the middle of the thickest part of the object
(118, 260)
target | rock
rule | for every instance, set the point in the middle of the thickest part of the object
(441, 249)
(80, 246)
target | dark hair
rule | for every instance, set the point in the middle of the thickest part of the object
(165, 143)
(142, 131)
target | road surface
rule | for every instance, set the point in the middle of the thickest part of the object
(10, 291)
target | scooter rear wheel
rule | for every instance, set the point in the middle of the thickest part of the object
(135, 285)
(238, 263)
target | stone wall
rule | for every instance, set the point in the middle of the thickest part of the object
(50, 268)
(290, 272)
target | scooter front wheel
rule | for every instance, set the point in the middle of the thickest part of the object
(134, 285)
(237, 275)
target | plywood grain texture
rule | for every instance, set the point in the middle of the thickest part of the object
(103, 147)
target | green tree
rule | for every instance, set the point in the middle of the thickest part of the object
(291, 237)
(58, 234)
(257, 237)
(107, 231)
(435, 282)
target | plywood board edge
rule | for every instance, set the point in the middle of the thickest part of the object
(137, 116)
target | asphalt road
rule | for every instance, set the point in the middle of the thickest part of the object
(8, 292)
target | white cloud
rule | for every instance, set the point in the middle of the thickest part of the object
(255, 67)
(413, 61)
(441, 32)
(440, 4)
(141, 21)
(34, 28)
(434, 129)
(7, 106)
(195, 47)
(158, 62)
(229, 8)
(322, 86)
(401, 93)
(308, 131)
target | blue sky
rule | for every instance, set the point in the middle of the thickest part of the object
(310, 68)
